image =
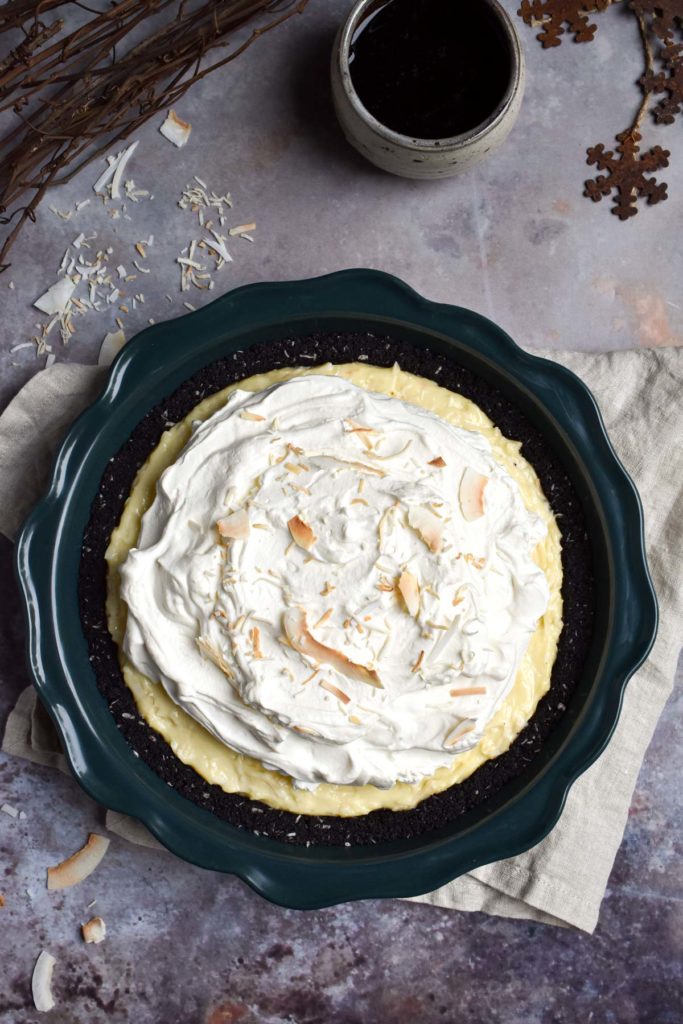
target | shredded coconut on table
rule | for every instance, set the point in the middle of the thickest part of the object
(88, 279)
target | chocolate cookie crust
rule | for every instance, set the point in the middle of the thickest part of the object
(381, 825)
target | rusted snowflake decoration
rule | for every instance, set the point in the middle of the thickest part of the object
(552, 15)
(627, 174)
(669, 80)
(664, 15)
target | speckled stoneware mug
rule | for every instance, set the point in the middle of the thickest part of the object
(421, 158)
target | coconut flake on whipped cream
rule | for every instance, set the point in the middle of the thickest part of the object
(335, 582)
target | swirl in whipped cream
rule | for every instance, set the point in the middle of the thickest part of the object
(335, 582)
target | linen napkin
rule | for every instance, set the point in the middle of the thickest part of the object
(562, 880)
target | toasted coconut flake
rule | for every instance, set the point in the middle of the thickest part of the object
(255, 637)
(328, 588)
(243, 229)
(458, 599)
(477, 563)
(246, 414)
(362, 467)
(429, 527)
(312, 676)
(358, 428)
(301, 533)
(471, 494)
(114, 171)
(323, 618)
(175, 129)
(355, 720)
(304, 730)
(385, 585)
(292, 467)
(296, 628)
(418, 661)
(235, 526)
(41, 982)
(214, 655)
(112, 344)
(467, 691)
(410, 592)
(94, 930)
(56, 299)
(360, 501)
(451, 740)
(335, 691)
(81, 864)
(438, 462)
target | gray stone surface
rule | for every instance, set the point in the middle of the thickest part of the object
(514, 240)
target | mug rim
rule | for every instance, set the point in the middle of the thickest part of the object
(430, 145)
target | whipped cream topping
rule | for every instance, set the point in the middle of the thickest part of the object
(335, 582)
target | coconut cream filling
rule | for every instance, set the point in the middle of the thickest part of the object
(335, 582)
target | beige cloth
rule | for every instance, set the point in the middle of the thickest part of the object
(561, 880)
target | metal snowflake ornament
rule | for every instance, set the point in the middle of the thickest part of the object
(664, 16)
(551, 15)
(627, 174)
(669, 80)
(660, 23)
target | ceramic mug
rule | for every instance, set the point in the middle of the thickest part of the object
(421, 158)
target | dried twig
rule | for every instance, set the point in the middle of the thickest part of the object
(76, 95)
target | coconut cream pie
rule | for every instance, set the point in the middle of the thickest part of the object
(336, 593)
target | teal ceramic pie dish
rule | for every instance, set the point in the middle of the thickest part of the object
(155, 364)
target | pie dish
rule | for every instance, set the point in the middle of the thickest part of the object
(247, 324)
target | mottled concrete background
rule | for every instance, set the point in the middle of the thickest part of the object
(514, 240)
